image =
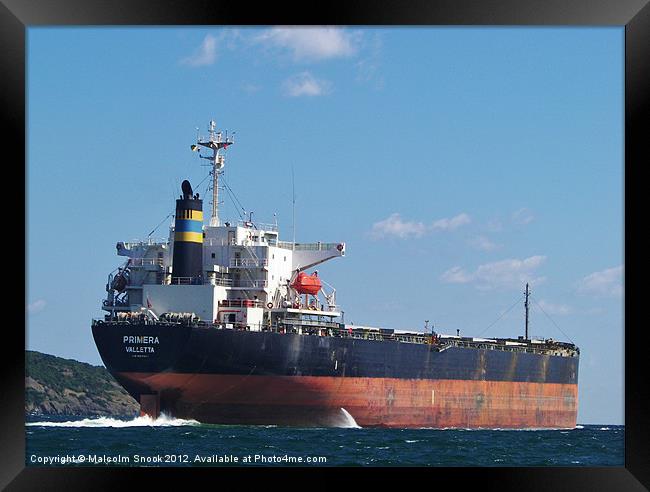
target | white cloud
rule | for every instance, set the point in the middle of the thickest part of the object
(523, 216)
(483, 243)
(510, 273)
(206, 54)
(304, 84)
(606, 283)
(456, 275)
(311, 43)
(451, 224)
(36, 306)
(394, 225)
(369, 63)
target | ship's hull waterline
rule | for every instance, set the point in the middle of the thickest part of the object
(228, 376)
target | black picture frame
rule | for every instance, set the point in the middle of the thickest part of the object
(17, 15)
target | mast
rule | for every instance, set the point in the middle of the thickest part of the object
(526, 294)
(293, 209)
(215, 141)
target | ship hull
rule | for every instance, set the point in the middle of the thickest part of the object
(240, 377)
(371, 402)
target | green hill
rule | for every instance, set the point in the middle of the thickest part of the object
(56, 386)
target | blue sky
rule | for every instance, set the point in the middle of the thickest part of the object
(456, 163)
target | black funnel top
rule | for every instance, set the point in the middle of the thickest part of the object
(187, 189)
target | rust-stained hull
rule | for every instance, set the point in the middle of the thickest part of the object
(372, 402)
(242, 377)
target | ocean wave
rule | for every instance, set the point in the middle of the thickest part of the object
(143, 421)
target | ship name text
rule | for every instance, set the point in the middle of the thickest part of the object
(144, 343)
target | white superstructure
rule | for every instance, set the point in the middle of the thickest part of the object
(249, 275)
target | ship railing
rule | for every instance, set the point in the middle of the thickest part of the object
(366, 334)
(305, 322)
(253, 284)
(146, 262)
(214, 241)
(334, 330)
(308, 246)
(186, 281)
(223, 282)
(258, 225)
(501, 345)
(151, 241)
(248, 262)
(241, 303)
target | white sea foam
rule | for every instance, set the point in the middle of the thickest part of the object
(347, 420)
(144, 421)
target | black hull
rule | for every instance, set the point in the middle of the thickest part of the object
(197, 350)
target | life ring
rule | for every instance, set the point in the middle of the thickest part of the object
(269, 305)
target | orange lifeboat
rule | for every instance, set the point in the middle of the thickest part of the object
(307, 284)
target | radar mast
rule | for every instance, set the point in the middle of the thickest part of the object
(216, 141)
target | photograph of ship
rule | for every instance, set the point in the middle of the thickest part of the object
(363, 245)
(222, 323)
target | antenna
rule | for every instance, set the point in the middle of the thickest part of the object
(526, 294)
(293, 208)
(215, 142)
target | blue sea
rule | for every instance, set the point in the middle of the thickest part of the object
(79, 441)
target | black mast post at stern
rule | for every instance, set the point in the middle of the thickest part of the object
(526, 293)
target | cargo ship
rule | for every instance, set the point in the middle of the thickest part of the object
(225, 323)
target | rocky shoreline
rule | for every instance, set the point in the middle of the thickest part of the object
(57, 386)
